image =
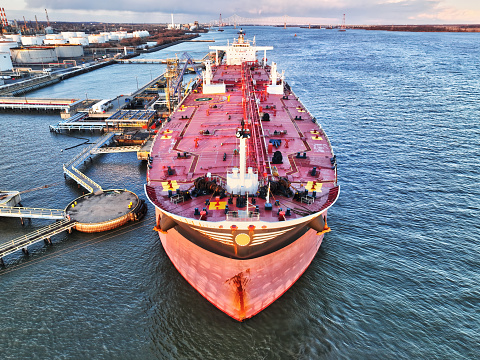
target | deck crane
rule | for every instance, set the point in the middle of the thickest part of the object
(188, 60)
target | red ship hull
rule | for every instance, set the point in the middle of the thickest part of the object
(241, 288)
(241, 176)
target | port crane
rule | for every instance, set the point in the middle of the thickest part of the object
(48, 20)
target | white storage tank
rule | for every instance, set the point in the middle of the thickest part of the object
(14, 37)
(5, 61)
(32, 40)
(68, 34)
(106, 35)
(54, 41)
(141, 33)
(96, 39)
(34, 55)
(53, 36)
(80, 34)
(120, 34)
(6, 45)
(113, 37)
(79, 41)
(69, 51)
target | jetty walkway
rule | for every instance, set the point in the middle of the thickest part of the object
(32, 213)
(99, 210)
(44, 233)
(15, 103)
(151, 61)
(70, 169)
(24, 86)
(77, 122)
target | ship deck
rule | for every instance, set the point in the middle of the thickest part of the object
(200, 139)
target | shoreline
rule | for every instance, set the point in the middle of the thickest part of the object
(409, 28)
(420, 28)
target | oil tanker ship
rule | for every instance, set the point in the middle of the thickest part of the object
(241, 176)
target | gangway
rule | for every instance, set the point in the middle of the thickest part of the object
(44, 233)
(33, 213)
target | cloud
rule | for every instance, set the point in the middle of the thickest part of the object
(450, 15)
(357, 11)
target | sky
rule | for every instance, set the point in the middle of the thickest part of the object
(357, 12)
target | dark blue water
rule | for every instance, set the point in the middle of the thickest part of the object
(397, 278)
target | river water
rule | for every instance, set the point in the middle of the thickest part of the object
(396, 278)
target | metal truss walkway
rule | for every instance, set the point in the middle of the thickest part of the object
(44, 233)
(33, 213)
(117, 149)
(70, 169)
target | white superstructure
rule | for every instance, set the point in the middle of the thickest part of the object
(208, 87)
(241, 50)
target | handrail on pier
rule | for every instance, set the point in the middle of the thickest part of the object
(27, 212)
(35, 236)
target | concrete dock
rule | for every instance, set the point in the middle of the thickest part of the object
(105, 211)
